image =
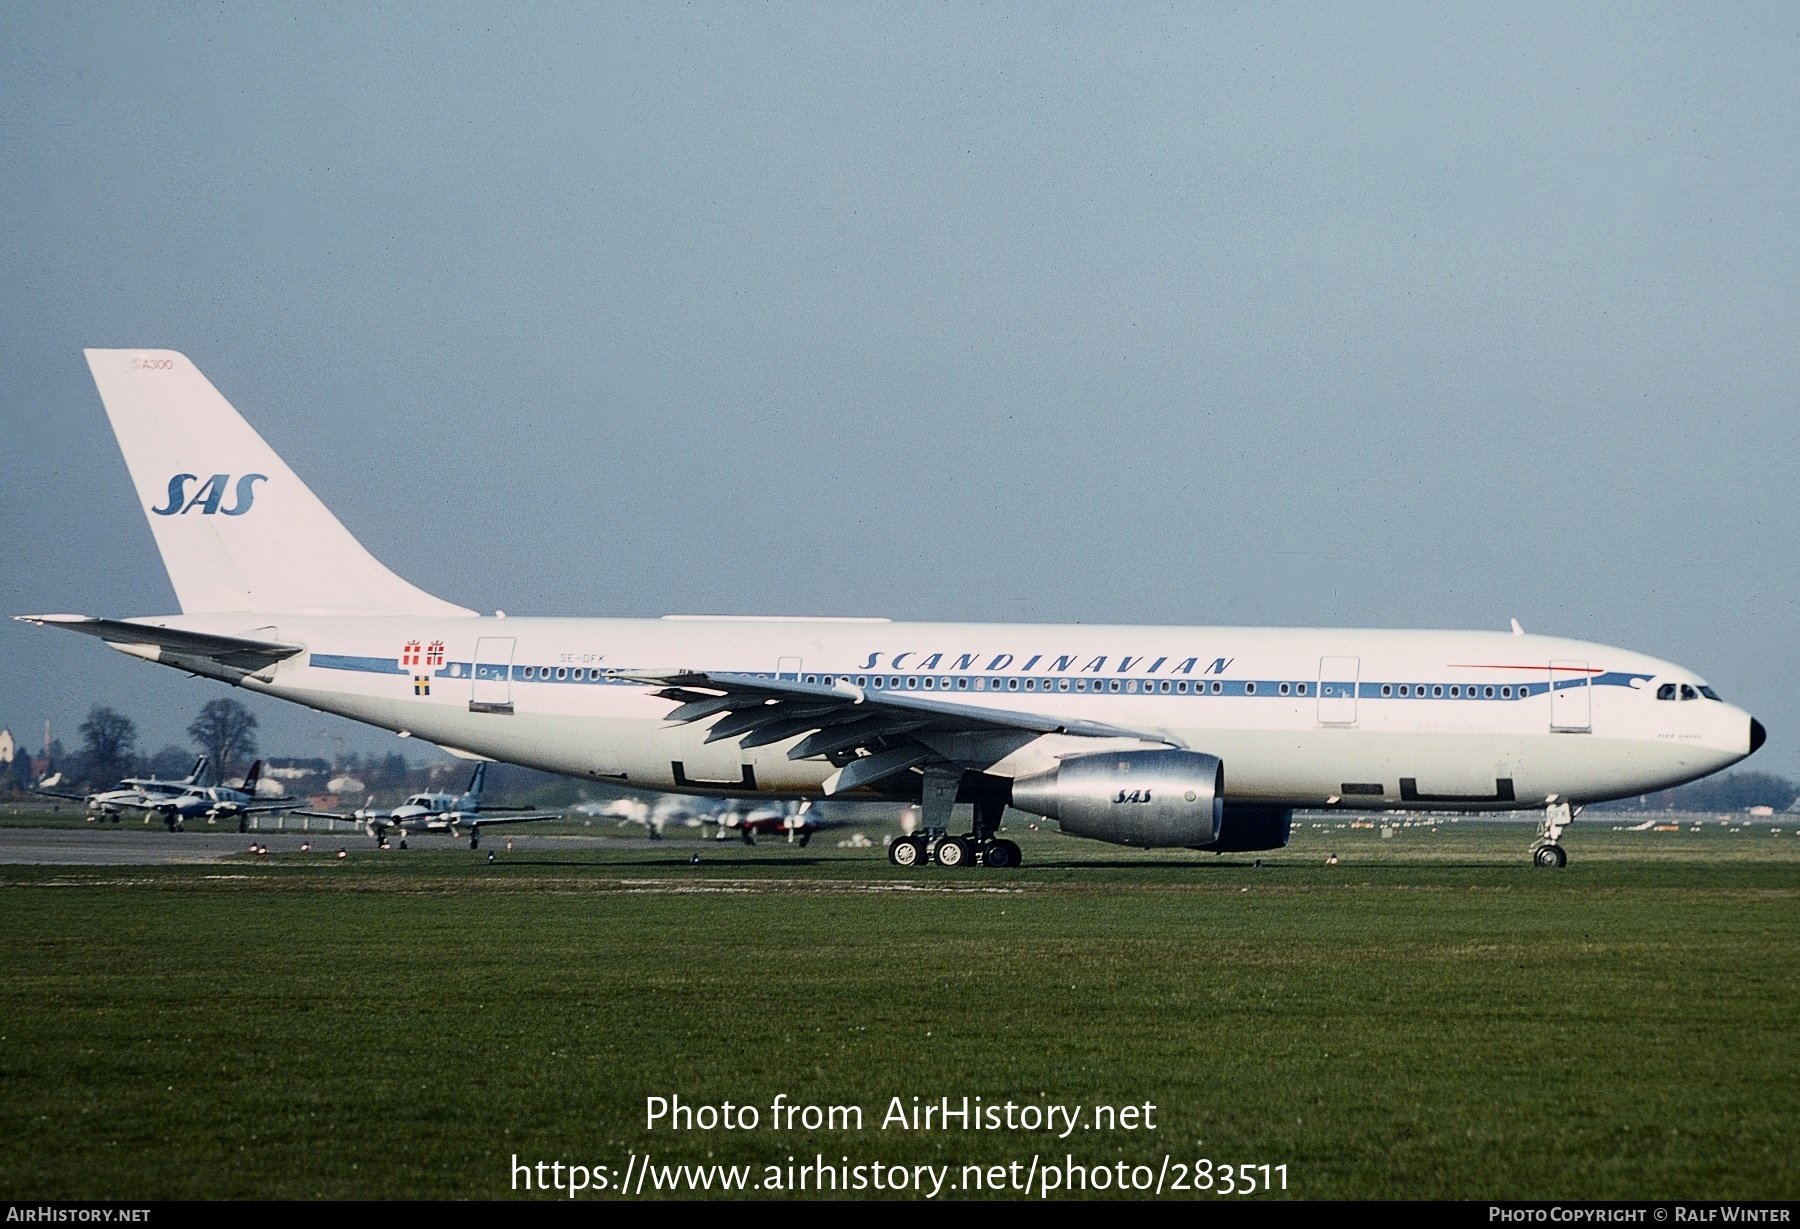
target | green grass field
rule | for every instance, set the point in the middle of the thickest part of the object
(1431, 1018)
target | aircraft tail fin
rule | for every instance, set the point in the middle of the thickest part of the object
(250, 778)
(473, 793)
(193, 778)
(237, 529)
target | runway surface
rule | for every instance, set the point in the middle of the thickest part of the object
(123, 847)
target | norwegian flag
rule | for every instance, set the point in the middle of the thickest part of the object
(434, 656)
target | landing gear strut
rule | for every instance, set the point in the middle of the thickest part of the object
(474, 838)
(1546, 851)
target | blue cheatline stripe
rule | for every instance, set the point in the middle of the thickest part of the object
(1262, 689)
(366, 665)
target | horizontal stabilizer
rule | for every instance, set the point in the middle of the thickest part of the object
(236, 652)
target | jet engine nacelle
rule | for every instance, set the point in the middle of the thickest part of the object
(1151, 799)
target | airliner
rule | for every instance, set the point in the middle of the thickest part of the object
(1204, 738)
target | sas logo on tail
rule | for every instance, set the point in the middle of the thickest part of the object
(209, 495)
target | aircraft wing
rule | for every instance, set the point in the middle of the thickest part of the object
(55, 793)
(172, 644)
(871, 735)
(481, 819)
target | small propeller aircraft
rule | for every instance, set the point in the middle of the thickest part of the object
(216, 802)
(130, 794)
(437, 812)
(798, 821)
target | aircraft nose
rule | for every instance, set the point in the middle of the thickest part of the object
(1758, 735)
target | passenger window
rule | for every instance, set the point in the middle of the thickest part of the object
(1283, 689)
(1688, 693)
(1666, 692)
(1438, 689)
(1387, 689)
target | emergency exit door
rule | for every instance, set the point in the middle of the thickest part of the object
(490, 689)
(1337, 689)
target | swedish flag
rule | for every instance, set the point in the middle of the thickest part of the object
(421, 684)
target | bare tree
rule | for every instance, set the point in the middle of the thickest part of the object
(107, 742)
(224, 731)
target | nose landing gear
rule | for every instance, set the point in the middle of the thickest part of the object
(1546, 851)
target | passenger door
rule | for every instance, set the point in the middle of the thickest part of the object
(1571, 698)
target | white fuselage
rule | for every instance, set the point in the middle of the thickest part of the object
(1306, 717)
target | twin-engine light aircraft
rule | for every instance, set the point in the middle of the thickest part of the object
(214, 802)
(175, 802)
(1196, 737)
(437, 812)
(798, 822)
(130, 794)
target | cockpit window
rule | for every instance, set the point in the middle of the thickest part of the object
(1688, 693)
(1710, 694)
(1666, 692)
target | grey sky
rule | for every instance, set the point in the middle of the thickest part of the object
(1397, 316)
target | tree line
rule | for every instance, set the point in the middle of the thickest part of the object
(224, 732)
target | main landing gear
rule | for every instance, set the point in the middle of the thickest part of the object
(934, 843)
(1546, 851)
